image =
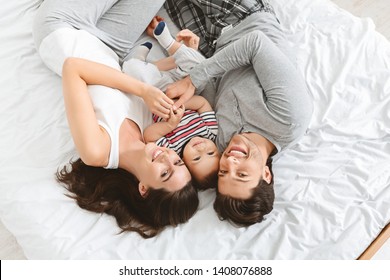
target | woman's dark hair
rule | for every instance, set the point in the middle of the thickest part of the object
(210, 181)
(115, 192)
(246, 212)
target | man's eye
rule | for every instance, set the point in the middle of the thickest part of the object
(241, 175)
(196, 159)
(210, 153)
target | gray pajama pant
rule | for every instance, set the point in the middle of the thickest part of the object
(118, 23)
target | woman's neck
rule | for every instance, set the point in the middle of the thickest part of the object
(130, 145)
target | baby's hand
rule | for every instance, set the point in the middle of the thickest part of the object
(152, 25)
(175, 117)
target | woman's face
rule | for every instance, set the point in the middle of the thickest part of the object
(201, 157)
(162, 168)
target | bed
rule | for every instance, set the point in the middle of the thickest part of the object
(332, 188)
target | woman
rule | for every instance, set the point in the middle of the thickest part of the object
(144, 186)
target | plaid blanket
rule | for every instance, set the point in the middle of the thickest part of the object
(206, 18)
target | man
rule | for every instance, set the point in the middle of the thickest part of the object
(260, 98)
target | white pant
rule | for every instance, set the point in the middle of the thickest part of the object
(185, 59)
(69, 42)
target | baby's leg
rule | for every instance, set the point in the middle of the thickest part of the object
(164, 37)
(141, 52)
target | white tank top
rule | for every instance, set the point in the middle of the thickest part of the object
(112, 107)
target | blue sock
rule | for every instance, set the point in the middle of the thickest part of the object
(163, 35)
(148, 45)
(159, 28)
(141, 52)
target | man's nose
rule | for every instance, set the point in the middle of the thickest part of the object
(232, 160)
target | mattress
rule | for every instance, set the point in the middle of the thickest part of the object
(332, 188)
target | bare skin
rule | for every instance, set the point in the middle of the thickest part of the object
(149, 163)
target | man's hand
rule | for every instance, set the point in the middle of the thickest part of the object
(189, 38)
(182, 89)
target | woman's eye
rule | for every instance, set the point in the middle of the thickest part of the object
(222, 172)
(165, 173)
(241, 175)
(196, 159)
(210, 153)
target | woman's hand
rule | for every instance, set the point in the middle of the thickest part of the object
(157, 102)
(152, 25)
(189, 38)
(182, 89)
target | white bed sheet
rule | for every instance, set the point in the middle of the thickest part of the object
(332, 188)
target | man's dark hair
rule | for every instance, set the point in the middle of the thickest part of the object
(246, 212)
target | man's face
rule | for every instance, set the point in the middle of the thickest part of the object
(240, 168)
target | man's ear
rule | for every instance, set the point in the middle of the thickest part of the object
(142, 189)
(267, 176)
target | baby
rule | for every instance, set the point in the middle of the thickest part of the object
(190, 131)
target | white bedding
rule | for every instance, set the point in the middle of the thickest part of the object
(332, 188)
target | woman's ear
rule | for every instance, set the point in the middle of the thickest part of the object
(267, 176)
(142, 189)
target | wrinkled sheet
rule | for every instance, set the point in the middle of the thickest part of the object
(332, 188)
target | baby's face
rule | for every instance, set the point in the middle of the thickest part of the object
(201, 157)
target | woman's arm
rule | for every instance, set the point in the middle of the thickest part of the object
(93, 73)
(93, 142)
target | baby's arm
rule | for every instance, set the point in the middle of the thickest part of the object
(166, 64)
(159, 129)
(156, 130)
(199, 104)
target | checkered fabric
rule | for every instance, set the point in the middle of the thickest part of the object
(206, 18)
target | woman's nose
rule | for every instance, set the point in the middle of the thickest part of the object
(164, 156)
